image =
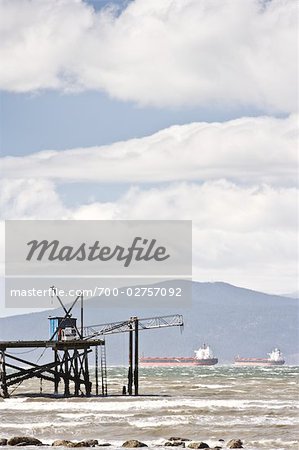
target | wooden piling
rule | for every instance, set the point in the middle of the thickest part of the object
(136, 358)
(3, 374)
(130, 370)
(97, 369)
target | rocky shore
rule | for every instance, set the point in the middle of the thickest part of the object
(24, 441)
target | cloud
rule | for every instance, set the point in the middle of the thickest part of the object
(243, 235)
(246, 150)
(29, 199)
(236, 180)
(246, 236)
(220, 53)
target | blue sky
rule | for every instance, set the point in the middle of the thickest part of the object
(77, 77)
(58, 121)
(52, 120)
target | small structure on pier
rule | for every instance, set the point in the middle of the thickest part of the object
(71, 348)
(62, 328)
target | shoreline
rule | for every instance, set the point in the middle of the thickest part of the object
(181, 442)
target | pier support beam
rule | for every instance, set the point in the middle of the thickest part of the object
(130, 370)
(66, 372)
(133, 371)
(136, 358)
(76, 373)
(3, 386)
(56, 375)
(97, 370)
(86, 374)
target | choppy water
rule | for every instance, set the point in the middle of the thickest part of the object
(257, 405)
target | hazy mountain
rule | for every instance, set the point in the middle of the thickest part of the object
(292, 295)
(232, 320)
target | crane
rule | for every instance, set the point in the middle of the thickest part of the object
(133, 325)
(147, 323)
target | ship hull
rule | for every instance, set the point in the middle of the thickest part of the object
(258, 362)
(175, 362)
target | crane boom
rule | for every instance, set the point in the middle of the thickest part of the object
(147, 323)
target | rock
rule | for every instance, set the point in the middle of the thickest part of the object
(133, 443)
(70, 444)
(198, 445)
(235, 443)
(80, 444)
(106, 444)
(175, 444)
(22, 441)
(3, 441)
(61, 443)
(92, 442)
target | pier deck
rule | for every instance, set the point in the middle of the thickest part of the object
(55, 345)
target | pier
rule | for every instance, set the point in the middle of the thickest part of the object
(71, 347)
(69, 366)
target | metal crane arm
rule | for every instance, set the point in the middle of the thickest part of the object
(127, 325)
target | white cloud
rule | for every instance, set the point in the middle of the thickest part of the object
(243, 235)
(164, 53)
(236, 180)
(29, 199)
(247, 150)
(246, 236)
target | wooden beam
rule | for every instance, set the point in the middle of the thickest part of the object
(136, 358)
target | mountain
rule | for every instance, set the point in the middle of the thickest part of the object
(233, 320)
(292, 294)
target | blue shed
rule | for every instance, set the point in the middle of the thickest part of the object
(59, 323)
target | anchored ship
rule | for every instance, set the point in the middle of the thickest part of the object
(275, 359)
(203, 357)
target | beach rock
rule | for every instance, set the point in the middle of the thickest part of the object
(198, 445)
(133, 443)
(22, 441)
(235, 443)
(93, 442)
(70, 444)
(106, 444)
(179, 439)
(175, 444)
(79, 444)
(3, 441)
(62, 443)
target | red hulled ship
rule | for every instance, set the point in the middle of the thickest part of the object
(203, 357)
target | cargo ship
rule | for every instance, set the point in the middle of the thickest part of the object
(203, 357)
(275, 359)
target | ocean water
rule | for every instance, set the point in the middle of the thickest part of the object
(257, 405)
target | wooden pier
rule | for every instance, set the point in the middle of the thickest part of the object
(71, 347)
(69, 366)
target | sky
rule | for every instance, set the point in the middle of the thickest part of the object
(173, 109)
